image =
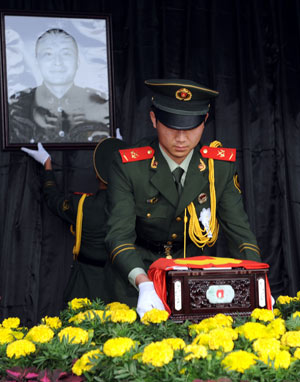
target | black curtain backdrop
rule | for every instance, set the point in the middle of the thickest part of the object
(249, 51)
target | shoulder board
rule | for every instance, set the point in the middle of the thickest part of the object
(219, 153)
(136, 154)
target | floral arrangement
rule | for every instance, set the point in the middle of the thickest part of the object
(91, 341)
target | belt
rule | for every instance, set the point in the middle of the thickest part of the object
(160, 248)
(85, 260)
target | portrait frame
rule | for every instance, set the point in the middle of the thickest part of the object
(56, 79)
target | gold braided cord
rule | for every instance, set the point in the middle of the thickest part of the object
(79, 218)
(198, 235)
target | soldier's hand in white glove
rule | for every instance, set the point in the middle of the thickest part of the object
(40, 155)
(148, 299)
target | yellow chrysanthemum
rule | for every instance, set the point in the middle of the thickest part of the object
(117, 347)
(218, 321)
(117, 306)
(253, 330)
(291, 339)
(20, 348)
(175, 343)
(195, 351)
(222, 339)
(154, 316)
(11, 322)
(286, 299)
(158, 354)
(266, 348)
(84, 362)
(239, 361)
(123, 315)
(296, 314)
(78, 303)
(40, 334)
(202, 339)
(282, 360)
(263, 314)
(297, 353)
(6, 336)
(276, 328)
(298, 294)
(276, 312)
(74, 335)
(90, 315)
(52, 322)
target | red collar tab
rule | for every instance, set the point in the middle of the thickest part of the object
(136, 154)
(219, 153)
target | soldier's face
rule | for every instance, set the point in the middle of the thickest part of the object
(177, 143)
(57, 59)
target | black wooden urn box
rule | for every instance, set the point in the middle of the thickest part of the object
(195, 294)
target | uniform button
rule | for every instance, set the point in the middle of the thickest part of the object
(148, 215)
(169, 243)
(59, 109)
(61, 133)
(174, 235)
(178, 219)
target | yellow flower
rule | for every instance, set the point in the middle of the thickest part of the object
(90, 315)
(286, 299)
(202, 339)
(266, 348)
(11, 322)
(263, 314)
(277, 328)
(282, 360)
(298, 294)
(117, 347)
(239, 360)
(20, 348)
(276, 312)
(157, 354)
(291, 339)
(116, 306)
(154, 316)
(40, 333)
(195, 351)
(74, 335)
(253, 330)
(6, 336)
(123, 315)
(297, 352)
(218, 321)
(84, 362)
(175, 343)
(78, 303)
(222, 339)
(296, 314)
(52, 322)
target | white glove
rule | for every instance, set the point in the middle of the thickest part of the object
(148, 299)
(40, 155)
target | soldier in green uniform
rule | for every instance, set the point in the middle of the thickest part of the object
(87, 277)
(58, 110)
(156, 212)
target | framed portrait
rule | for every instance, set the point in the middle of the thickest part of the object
(56, 80)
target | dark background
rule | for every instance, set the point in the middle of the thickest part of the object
(249, 51)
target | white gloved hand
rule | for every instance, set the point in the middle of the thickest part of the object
(40, 155)
(148, 299)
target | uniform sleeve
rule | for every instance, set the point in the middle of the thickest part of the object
(121, 234)
(234, 221)
(63, 206)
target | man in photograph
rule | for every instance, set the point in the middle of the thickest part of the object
(58, 110)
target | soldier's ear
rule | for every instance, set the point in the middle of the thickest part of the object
(207, 115)
(153, 118)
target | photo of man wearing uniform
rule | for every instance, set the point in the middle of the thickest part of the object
(58, 110)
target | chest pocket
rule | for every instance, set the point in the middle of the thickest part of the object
(151, 208)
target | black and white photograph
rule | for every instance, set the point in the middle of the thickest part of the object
(56, 80)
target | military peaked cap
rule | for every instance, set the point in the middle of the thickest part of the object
(103, 154)
(180, 104)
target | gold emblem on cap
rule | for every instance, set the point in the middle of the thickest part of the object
(183, 94)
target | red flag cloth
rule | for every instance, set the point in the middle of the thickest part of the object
(157, 271)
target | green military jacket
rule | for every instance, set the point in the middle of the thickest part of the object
(143, 204)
